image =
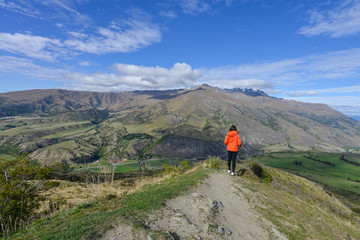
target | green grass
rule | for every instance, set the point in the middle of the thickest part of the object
(89, 221)
(300, 209)
(39, 126)
(336, 176)
(7, 156)
(71, 132)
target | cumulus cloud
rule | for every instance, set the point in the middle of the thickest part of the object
(125, 76)
(138, 77)
(340, 21)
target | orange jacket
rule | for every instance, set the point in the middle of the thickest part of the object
(232, 141)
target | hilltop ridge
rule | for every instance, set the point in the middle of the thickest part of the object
(204, 203)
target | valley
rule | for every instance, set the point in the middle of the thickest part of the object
(186, 123)
(117, 145)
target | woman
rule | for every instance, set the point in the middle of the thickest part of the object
(233, 142)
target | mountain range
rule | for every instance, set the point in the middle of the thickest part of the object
(82, 126)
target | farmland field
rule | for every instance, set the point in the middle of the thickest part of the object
(326, 168)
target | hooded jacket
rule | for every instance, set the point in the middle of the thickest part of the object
(232, 141)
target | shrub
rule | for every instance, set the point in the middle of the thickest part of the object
(261, 172)
(168, 169)
(20, 182)
(213, 162)
(183, 167)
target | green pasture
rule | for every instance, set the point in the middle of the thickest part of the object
(71, 132)
(23, 125)
(338, 176)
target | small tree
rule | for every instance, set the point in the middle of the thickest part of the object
(20, 180)
(142, 158)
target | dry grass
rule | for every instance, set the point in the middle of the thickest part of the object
(70, 194)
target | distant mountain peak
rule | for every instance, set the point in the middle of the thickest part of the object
(248, 91)
(204, 86)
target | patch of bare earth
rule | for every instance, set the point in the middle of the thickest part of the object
(219, 208)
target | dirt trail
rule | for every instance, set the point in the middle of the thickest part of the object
(219, 208)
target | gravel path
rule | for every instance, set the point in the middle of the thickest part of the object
(219, 208)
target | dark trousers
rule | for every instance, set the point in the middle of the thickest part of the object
(232, 160)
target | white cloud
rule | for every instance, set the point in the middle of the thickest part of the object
(303, 93)
(27, 67)
(168, 13)
(128, 37)
(31, 46)
(349, 110)
(237, 82)
(351, 89)
(126, 77)
(292, 72)
(337, 90)
(349, 101)
(340, 21)
(22, 7)
(49, 9)
(194, 7)
(138, 77)
(85, 63)
(131, 36)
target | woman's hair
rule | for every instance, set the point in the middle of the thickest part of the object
(233, 128)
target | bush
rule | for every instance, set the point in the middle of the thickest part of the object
(213, 162)
(168, 169)
(20, 182)
(261, 172)
(183, 167)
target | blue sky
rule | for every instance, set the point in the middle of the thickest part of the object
(302, 50)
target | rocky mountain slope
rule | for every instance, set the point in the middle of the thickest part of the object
(186, 123)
